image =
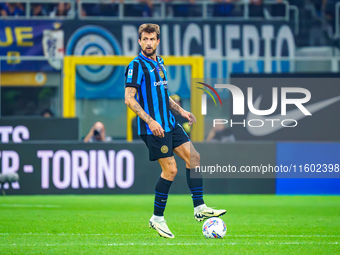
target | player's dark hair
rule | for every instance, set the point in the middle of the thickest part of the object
(149, 28)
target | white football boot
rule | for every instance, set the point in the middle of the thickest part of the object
(206, 212)
(161, 228)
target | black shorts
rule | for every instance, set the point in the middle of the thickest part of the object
(162, 147)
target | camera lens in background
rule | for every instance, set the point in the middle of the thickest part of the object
(97, 132)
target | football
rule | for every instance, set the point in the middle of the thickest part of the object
(214, 228)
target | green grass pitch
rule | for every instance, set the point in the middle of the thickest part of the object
(112, 224)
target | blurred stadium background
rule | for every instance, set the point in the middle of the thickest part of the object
(50, 55)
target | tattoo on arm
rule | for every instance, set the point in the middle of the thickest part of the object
(175, 107)
(130, 94)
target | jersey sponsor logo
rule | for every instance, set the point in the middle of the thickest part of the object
(160, 83)
(152, 70)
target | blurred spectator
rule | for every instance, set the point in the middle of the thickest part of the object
(86, 9)
(319, 6)
(223, 8)
(21, 6)
(220, 133)
(255, 8)
(103, 8)
(38, 10)
(147, 8)
(185, 9)
(62, 9)
(97, 134)
(12, 9)
(330, 9)
(276, 8)
(47, 113)
(2, 6)
(107, 8)
(298, 3)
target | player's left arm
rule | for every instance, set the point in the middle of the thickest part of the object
(176, 108)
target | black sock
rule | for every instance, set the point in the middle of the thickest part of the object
(161, 196)
(196, 188)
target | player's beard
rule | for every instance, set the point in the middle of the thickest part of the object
(149, 54)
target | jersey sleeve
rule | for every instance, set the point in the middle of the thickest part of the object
(133, 75)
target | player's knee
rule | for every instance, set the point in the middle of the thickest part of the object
(172, 171)
(170, 174)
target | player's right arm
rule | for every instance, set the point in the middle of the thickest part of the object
(131, 102)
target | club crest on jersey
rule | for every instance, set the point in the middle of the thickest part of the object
(161, 74)
(164, 149)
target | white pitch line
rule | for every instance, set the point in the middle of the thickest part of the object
(142, 234)
(175, 244)
(264, 235)
(30, 206)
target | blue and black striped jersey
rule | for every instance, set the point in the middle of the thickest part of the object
(149, 77)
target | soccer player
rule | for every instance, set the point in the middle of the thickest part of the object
(146, 93)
